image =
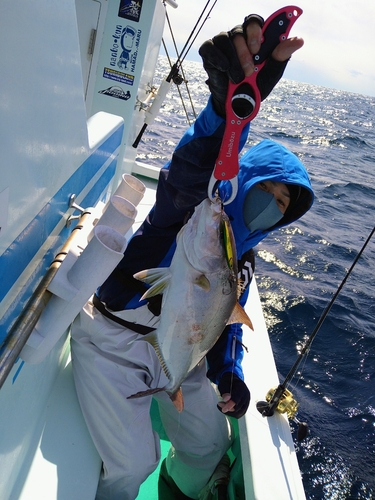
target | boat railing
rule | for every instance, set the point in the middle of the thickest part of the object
(26, 321)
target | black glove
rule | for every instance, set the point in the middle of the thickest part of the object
(221, 63)
(240, 394)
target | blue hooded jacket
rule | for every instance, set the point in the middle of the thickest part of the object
(267, 161)
(183, 184)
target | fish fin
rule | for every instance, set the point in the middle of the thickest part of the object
(239, 315)
(149, 392)
(158, 278)
(152, 339)
(151, 275)
(203, 282)
(177, 399)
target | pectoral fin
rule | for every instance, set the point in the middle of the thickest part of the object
(177, 399)
(239, 316)
(158, 278)
(203, 282)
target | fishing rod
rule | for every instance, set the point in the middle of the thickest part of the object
(280, 398)
(174, 75)
(186, 47)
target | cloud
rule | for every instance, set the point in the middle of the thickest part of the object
(339, 38)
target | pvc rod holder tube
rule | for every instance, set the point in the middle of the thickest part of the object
(131, 188)
(92, 267)
(119, 214)
(153, 111)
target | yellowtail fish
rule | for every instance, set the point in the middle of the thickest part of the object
(199, 295)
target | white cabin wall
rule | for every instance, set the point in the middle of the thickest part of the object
(44, 133)
(89, 15)
(43, 141)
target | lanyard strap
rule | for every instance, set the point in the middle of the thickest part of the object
(142, 329)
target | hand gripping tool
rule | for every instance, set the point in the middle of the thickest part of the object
(276, 29)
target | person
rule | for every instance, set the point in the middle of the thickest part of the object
(273, 190)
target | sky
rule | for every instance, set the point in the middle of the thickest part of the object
(339, 35)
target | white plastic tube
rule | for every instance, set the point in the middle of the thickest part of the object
(119, 214)
(153, 111)
(97, 260)
(92, 267)
(131, 188)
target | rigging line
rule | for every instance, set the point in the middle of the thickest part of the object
(173, 38)
(166, 52)
(182, 70)
(183, 105)
(326, 311)
(173, 74)
(189, 94)
(178, 88)
(180, 59)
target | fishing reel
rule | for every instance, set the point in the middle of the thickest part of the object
(178, 78)
(281, 400)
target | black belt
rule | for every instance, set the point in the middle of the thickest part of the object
(142, 329)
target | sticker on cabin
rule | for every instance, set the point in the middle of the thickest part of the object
(116, 92)
(123, 54)
(130, 9)
(118, 76)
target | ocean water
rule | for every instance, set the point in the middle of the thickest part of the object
(299, 268)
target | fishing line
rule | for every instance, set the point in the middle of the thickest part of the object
(174, 74)
(184, 52)
(267, 408)
(178, 88)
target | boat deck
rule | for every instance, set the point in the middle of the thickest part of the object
(66, 466)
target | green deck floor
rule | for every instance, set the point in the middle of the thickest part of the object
(149, 489)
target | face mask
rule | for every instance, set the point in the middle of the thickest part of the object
(260, 210)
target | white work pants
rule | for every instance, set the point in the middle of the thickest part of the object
(108, 367)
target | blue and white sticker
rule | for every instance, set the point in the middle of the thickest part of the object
(130, 9)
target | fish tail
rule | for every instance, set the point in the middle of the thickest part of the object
(177, 399)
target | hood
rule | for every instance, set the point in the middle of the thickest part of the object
(267, 161)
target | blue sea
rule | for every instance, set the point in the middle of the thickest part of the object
(299, 269)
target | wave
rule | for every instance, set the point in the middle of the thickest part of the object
(299, 269)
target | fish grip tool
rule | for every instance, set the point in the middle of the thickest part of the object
(275, 30)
